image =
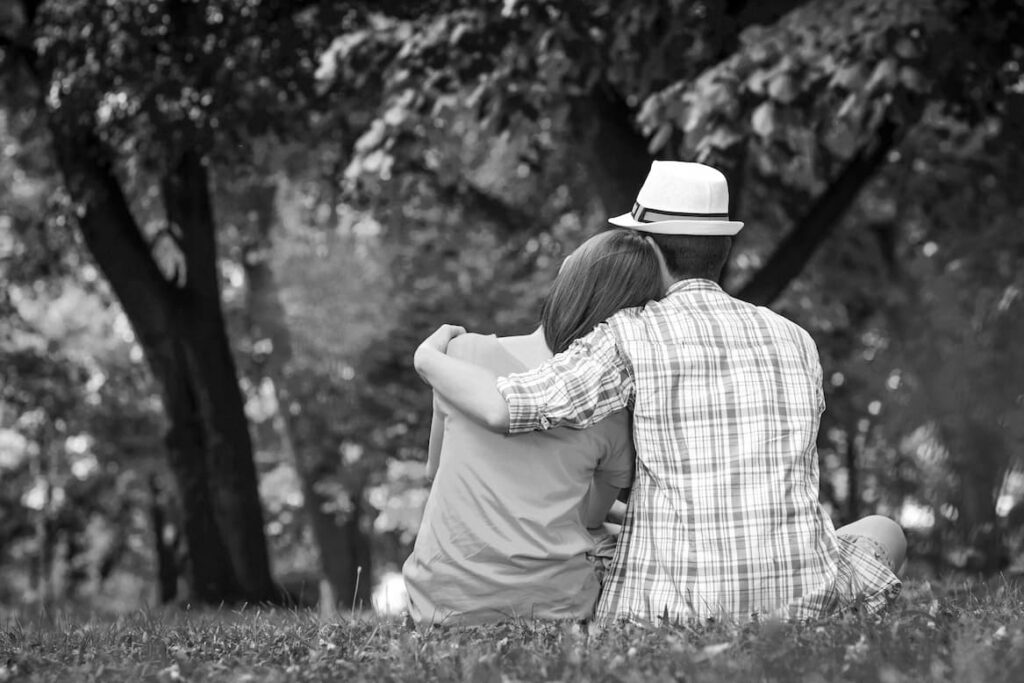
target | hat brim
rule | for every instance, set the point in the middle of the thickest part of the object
(680, 227)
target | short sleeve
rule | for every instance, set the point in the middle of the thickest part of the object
(615, 467)
(813, 361)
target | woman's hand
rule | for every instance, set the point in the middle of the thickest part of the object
(442, 335)
(435, 343)
(470, 388)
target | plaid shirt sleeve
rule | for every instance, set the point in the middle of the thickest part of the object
(814, 365)
(576, 388)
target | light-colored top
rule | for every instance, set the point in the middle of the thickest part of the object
(724, 517)
(503, 532)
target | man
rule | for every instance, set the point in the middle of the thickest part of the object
(724, 518)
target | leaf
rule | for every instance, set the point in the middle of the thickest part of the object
(783, 88)
(695, 116)
(372, 138)
(459, 31)
(763, 120)
(723, 138)
(884, 76)
(912, 79)
(906, 48)
(841, 140)
(660, 138)
(757, 82)
(850, 77)
(850, 104)
(761, 53)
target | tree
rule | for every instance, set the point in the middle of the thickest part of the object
(107, 117)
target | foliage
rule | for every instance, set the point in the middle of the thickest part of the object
(433, 161)
(518, 68)
(972, 633)
(77, 415)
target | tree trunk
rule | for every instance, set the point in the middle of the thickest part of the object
(187, 373)
(344, 548)
(980, 465)
(210, 367)
(167, 570)
(614, 152)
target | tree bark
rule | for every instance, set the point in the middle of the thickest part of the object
(344, 548)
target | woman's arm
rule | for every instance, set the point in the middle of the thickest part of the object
(470, 388)
(599, 501)
(617, 512)
(436, 439)
(575, 388)
(614, 473)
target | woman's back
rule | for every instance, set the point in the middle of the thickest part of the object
(503, 532)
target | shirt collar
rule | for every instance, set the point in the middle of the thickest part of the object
(693, 285)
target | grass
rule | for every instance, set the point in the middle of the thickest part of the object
(971, 632)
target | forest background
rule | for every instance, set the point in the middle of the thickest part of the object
(225, 225)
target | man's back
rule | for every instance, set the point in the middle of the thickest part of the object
(724, 516)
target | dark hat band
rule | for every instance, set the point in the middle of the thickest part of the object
(645, 215)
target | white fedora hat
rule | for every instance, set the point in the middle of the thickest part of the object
(681, 198)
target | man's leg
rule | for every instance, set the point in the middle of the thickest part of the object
(885, 533)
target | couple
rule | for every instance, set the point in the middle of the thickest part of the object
(642, 370)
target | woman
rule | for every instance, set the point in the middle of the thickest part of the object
(495, 543)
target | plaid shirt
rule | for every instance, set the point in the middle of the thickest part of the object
(724, 518)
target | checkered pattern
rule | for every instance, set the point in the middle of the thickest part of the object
(724, 518)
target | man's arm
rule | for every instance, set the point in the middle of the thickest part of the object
(576, 388)
(470, 388)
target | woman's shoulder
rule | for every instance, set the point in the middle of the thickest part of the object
(481, 349)
(471, 339)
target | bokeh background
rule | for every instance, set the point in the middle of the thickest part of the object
(226, 224)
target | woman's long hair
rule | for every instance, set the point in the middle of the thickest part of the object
(613, 270)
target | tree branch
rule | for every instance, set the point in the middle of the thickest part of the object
(797, 248)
